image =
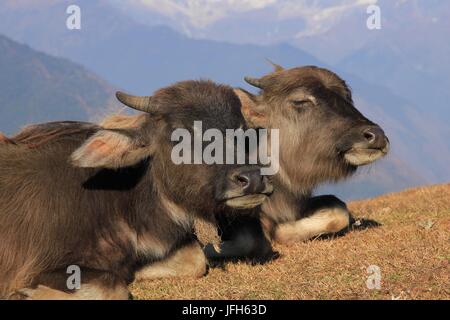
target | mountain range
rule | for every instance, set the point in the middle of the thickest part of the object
(36, 87)
(140, 58)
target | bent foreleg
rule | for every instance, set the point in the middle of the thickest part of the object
(326, 215)
(188, 261)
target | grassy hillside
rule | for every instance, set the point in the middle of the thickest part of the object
(411, 247)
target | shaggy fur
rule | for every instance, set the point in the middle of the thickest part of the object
(318, 122)
(61, 204)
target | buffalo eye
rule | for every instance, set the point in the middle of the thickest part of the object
(301, 104)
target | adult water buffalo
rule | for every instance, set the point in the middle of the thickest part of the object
(323, 138)
(110, 201)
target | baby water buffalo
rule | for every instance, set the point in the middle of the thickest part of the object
(110, 201)
(323, 138)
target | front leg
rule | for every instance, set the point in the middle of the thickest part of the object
(323, 215)
(243, 239)
(96, 285)
(187, 261)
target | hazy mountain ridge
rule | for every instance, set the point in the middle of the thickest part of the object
(141, 59)
(36, 87)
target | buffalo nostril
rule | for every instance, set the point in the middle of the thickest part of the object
(242, 180)
(375, 137)
(370, 136)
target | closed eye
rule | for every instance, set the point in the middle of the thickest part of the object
(302, 103)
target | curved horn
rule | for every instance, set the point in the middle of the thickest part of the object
(254, 82)
(135, 102)
(276, 66)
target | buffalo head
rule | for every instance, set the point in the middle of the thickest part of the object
(323, 137)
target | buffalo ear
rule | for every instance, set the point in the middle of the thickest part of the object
(111, 149)
(253, 111)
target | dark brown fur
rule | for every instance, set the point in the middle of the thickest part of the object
(314, 138)
(108, 221)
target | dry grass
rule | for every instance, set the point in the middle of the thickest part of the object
(412, 249)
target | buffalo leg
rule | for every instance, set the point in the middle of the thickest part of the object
(187, 261)
(324, 215)
(243, 239)
(95, 285)
(244, 246)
